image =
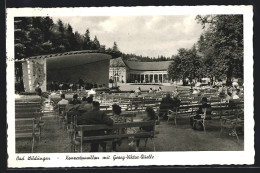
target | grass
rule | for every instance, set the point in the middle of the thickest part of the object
(170, 138)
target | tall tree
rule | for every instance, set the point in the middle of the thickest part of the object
(225, 40)
(186, 64)
(96, 43)
(87, 41)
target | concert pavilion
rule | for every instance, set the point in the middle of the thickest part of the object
(90, 66)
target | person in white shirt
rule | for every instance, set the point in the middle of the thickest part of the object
(138, 91)
(236, 94)
(63, 101)
(91, 93)
(235, 84)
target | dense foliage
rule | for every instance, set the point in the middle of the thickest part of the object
(222, 45)
(218, 53)
(186, 65)
(40, 35)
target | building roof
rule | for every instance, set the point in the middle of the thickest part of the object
(117, 62)
(113, 54)
(73, 60)
(148, 66)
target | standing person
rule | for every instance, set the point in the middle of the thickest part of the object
(95, 117)
(150, 116)
(38, 90)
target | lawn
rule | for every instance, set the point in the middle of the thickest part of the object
(170, 138)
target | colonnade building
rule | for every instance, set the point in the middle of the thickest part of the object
(138, 72)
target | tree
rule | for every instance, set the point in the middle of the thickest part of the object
(186, 64)
(96, 43)
(224, 42)
(78, 41)
(175, 69)
(87, 42)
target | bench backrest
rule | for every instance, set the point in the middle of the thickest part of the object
(25, 128)
(117, 126)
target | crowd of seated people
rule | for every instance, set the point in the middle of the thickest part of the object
(88, 113)
(72, 85)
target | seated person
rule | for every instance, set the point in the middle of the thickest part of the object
(92, 93)
(236, 94)
(75, 100)
(86, 106)
(191, 89)
(159, 89)
(199, 112)
(38, 90)
(132, 95)
(221, 92)
(196, 91)
(166, 104)
(228, 97)
(150, 90)
(119, 119)
(63, 101)
(95, 117)
(74, 109)
(83, 100)
(150, 115)
(138, 91)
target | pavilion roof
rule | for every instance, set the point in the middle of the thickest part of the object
(148, 66)
(117, 62)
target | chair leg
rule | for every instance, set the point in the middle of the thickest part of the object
(175, 120)
(204, 127)
(236, 135)
(32, 143)
(81, 146)
(146, 139)
(153, 144)
(221, 131)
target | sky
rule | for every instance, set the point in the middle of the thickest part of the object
(142, 35)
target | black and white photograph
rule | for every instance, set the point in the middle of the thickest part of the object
(130, 86)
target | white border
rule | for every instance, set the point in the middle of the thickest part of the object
(160, 158)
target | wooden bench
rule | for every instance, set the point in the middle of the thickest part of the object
(78, 137)
(27, 128)
(126, 115)
(228, 114)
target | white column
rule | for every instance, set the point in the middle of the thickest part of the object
(162, 78)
